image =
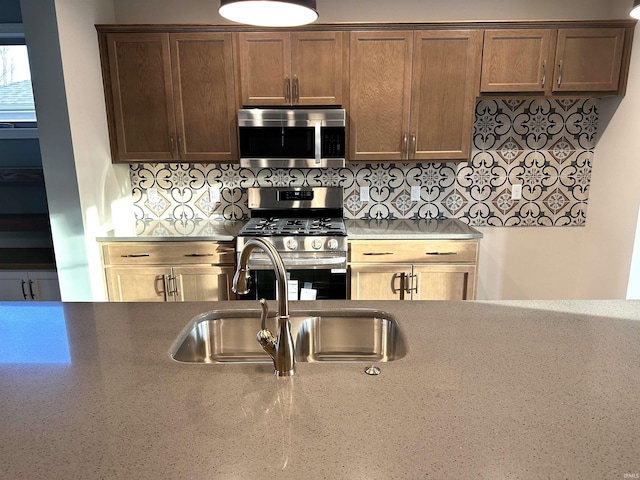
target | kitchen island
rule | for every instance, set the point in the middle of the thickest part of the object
(544, 389)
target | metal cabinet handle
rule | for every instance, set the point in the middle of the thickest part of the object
(377, 253)
(173, 290)
(172, 145)
(287, 89)
(559, 72)
(24, 293)
(199, 255)
(180, 149)
(165, 281)
(412, 283)
(414, 144)
(168, 289)
(405, 144)
(33, 296)
(393, 283)
(544, 73)
(296, 90)
(441, 253)
(135, 255)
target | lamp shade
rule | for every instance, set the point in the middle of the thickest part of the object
(269, 13)
(635, 11)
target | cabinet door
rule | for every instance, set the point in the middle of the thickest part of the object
(379, 281)
(443, 282)
(14, 286)
(44, 286)
(446, 78)
(265, 68)
(141, 95)
(516, 60)
(137, 284)
(203, 283)
(317, 68)
(379, 90)
(588, 59)
(204, 96)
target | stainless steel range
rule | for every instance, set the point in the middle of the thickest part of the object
(305, 225)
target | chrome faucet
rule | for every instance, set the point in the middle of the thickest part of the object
(279, 348)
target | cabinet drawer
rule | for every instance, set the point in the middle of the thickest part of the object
(428, 251)
(167, 253)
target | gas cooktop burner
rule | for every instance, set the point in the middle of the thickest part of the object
(273, 226)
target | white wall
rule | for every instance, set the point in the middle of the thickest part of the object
(205, 11)
(84, 190)
(41, 35)
(105, 189)
(614, 198)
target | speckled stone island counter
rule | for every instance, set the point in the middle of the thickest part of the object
(486, 390)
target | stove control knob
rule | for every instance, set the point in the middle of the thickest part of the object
(332, 244)
(316, 244)
(292, 244)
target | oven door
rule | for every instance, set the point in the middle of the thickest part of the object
(329, 284)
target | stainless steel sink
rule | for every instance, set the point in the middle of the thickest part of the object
(345, 335)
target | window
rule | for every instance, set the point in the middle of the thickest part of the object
(17, 108)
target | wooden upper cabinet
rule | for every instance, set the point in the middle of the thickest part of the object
(549, 61)
(204, 95)
(171, 97)
(517, 60)
(588, 59)
(317, 67)
(380, 94)
(412, 94)
(141, 91)
(445, 83)
(298, 68)
(265, 68)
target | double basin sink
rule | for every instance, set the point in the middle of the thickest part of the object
(341, 335)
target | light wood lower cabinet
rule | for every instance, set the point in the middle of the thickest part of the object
(411, 270)
(168, 271)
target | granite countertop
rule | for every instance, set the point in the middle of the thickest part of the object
(486, 390)
(176, 230)
(226, 230)
(411, 229)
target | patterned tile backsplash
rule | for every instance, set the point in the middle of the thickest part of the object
(544, 145)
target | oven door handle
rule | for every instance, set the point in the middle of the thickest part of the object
(333, 262)
(318, 142)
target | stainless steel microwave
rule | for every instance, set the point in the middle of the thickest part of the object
(292, 138)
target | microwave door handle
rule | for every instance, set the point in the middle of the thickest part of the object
(318, 145)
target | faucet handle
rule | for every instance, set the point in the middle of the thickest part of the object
(265, 337)
(265, 313)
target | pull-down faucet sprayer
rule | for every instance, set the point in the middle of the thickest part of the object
(279, 348)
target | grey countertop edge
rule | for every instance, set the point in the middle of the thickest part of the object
(185, 238)
(449, 229)
(413, 236)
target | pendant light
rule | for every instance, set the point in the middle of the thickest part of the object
(635, 11)
(270, 13)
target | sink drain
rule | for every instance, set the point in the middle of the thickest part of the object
(372, 370)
